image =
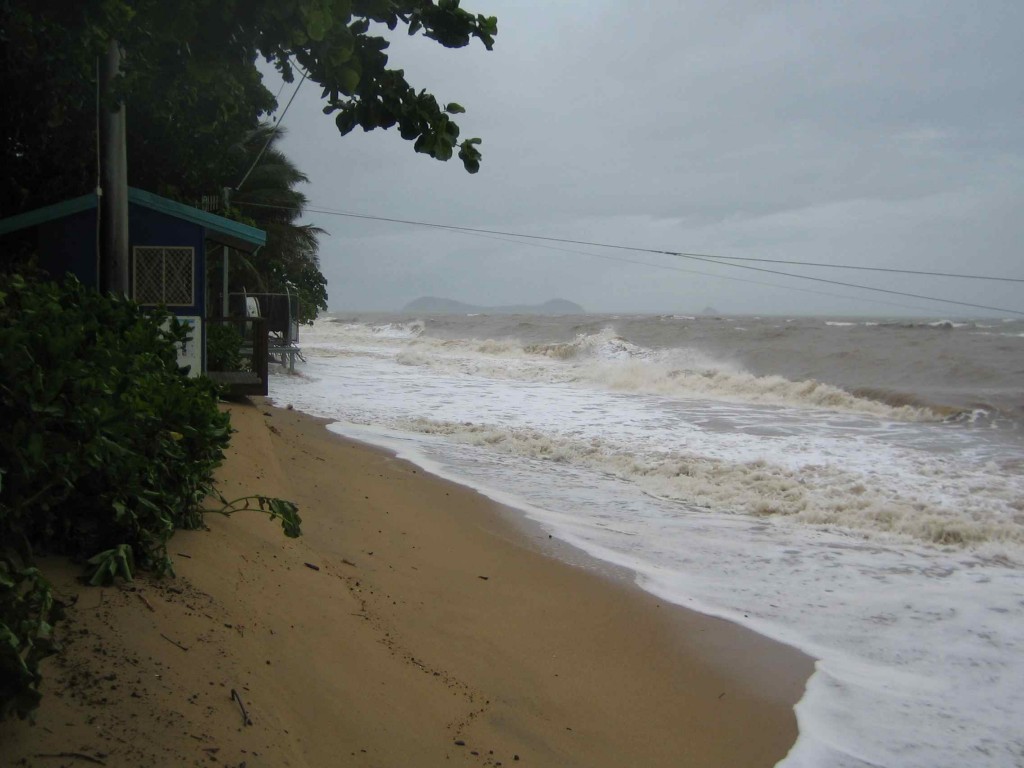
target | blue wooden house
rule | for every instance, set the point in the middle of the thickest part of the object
(168, 246)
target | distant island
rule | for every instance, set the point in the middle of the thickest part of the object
(431, 305)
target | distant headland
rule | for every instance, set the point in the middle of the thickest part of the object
(431, 305)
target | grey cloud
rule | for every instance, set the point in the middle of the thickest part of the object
(884, 134)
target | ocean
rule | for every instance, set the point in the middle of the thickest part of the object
(851, 487)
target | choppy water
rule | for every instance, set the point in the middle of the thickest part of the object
(854, 488)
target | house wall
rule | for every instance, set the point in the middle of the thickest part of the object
(149, 227)
(64, 238)
(69, 245)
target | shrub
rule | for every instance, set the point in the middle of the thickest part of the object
(27, 613)
(106, 442)
(106, 448)
(223, 347)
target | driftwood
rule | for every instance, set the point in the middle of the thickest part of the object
(173, 642)
(246, 720)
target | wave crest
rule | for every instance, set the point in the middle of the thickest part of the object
(609, 361)
(748, 388)
(820, 495)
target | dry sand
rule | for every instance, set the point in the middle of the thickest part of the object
(431, 631)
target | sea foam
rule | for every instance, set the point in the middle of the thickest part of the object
(887, 548)
(606, 360)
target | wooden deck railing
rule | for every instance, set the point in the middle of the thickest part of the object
(253, 332)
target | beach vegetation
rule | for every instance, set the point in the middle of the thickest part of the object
(108, 447)
(28, 611)
(277, 509)
(223, 347)
(107, 441)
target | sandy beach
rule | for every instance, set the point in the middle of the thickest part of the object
(415, 623)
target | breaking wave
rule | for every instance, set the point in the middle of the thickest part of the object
(820, 495)
(607, 360)
(412, 329)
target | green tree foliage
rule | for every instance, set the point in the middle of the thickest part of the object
(192, 87)
(105, 441)
(187, 100)
(107, 448)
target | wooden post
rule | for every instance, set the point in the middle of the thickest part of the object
(113, 275)
(225, 308)
(225, 305)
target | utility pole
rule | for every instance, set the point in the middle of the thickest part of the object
(113, 203)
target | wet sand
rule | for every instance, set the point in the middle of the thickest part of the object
(413, 624)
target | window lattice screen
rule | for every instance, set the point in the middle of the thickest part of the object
(164, 275)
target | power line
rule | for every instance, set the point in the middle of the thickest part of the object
(697, 257)
(684, 254)
(693, 256)
(671, 268)
(853, 266)
(280, 88)
(858, 285)
(274, 132)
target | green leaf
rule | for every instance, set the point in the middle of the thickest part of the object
(348, 80)
(443, 150)
(342, 47)
(454, 109)
(110, 563)
(317, 24)
(345, 121)
(469, 155)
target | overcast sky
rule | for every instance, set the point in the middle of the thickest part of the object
(872, 133)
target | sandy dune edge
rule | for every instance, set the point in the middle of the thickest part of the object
(432, 631)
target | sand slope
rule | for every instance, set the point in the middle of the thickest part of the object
(432, 631)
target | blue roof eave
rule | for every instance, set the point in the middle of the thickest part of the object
(49, 213)
(217, 228)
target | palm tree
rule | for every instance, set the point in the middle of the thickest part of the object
(267, 199)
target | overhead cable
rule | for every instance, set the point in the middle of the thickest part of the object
(924, 273)
(671, 268)
(274, 132)
(682, 254)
